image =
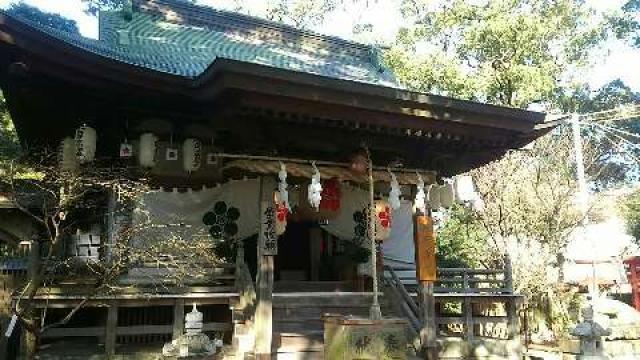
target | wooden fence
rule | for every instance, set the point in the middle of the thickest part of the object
(470, 303)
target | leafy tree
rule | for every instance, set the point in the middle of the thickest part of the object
(627, 24)
(631, 214)
(616, 156)
(9, 146)
(504, 52)
(52, 20)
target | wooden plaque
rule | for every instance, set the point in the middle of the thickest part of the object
(268, 238)
(425, 246)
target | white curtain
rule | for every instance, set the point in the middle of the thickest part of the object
(163, 214)
(398, 247)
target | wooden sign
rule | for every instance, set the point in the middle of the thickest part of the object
(268, 236)
(425, 245)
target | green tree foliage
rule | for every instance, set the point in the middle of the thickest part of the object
(615, 160)
(52, 20)
(9, 146)
(631, 214)
(508, 52)
(627, 23)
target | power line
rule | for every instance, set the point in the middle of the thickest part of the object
(621, 113)
(613, 129)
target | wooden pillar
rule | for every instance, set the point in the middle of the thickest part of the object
(428, 332)
(28, 340)
(264, 310)
(111, 329)
(424, 240)
(267, 249)
(178, 318)
(513, 319)
(315, 241)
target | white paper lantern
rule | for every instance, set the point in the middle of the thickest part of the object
(314, 191)
(382, 220)
(148, 150)
(191, 155)
(67, 159)
(434, 197)
(465, 191)
(421, 198)
(86, 144)
(446, 195)
(394, 193)
(281, 213)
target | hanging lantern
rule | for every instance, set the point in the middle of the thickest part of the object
(191, 155)
(314, 191)
(465, 191)
(382, 220)
(330, 195)
(148, 150)
(282, 212)
(446, 195)
(421, 198)
(67, 159)
(434, 197)
(394, 193)
(85, 144)
(330, 203)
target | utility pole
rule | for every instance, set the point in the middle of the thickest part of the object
(583, 194)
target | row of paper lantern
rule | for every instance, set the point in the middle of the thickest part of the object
(82, 149)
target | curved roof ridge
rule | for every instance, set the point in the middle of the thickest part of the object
(243, 21)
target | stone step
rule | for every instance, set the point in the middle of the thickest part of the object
(316, 312)
(328, 299)
(298, 324)
(302, 355)
(291, 342)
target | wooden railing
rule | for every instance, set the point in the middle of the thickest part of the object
(460, 280)
(401, 296)
(482, 300)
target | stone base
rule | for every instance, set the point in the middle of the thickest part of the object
(189, 345)
(457, 348)
(612, 349)
(349, 338)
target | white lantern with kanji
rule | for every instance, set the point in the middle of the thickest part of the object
(282, 212)
(67, 158)
(148, 150)
(86, 139)
(382, 220)
(191, 155)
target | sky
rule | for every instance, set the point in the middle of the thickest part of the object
(616, 60)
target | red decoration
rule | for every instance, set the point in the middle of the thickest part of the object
(282, 211)
(330, 195)
(385, 217)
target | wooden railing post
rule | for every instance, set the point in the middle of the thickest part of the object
(508, 274)
(111, 330)
(178, 318)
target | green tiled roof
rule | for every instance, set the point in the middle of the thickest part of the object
(185, 47)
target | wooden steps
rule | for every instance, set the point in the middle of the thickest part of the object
(297, 322)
